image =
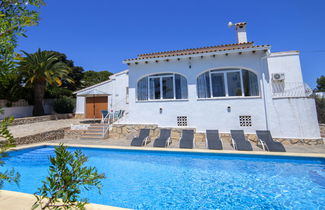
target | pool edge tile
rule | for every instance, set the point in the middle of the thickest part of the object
(8, 201)
(283, 154)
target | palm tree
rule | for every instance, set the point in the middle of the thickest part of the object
(39, 69)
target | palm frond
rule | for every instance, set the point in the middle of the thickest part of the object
(43, 65)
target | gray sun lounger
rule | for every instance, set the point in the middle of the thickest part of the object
(164, 138)
(239, 141)
(142, 139)
(212, 140)
(187, 139)
(265, 138)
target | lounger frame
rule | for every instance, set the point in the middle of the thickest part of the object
(146, 140)
(168, 142)
(264, 145)
(233, 143)
(260, 142)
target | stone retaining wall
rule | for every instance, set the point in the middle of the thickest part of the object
(121, 131)
(79, 116)
(73, 134)
(126, 131)
(322, 130)
(63, 133)
(42, 137)
(28, 120)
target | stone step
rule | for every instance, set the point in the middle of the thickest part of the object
(94, 131)
(96, 127)
(90, 138)
(92, 135)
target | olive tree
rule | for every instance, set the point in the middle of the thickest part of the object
(15, 16)
(68, 176)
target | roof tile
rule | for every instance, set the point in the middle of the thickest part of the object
(197, 50)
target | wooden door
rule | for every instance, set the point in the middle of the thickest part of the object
(94, 105)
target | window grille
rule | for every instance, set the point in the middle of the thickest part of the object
(245, 121)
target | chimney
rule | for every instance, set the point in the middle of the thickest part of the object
(241, 31)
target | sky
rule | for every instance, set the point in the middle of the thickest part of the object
(100, 34)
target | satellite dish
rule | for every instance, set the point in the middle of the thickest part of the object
(230, 24)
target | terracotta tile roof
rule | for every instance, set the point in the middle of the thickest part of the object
(197, 50)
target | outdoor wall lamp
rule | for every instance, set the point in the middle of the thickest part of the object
(160, 110)
(229, 108)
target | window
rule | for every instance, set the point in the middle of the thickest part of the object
(162, 86)
(227, 83)
(234, 84)
(218, 85)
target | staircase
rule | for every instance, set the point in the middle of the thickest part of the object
(95, 132)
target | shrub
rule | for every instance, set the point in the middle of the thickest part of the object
(6, 143)
(64, 105)
(68, 176)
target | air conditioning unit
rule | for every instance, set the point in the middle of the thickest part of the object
(278, 76)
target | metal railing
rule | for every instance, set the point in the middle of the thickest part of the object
(290, 89)
(106, 128)
(112, 117)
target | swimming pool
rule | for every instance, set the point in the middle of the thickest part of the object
(175, 180)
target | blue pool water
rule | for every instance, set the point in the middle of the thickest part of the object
(167, 180)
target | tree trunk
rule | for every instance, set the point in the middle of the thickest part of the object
(39, 91)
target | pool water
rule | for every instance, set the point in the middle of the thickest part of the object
(170, 180)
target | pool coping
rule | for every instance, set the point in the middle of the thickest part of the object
(8, 200)
(258, 153)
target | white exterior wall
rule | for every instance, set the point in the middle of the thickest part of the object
(293, 117)
(119, 95)
(290, 117)
(202, 114)
(288, 63)
(116, 87)
(24, 111)
(285, 117)
(80, 105)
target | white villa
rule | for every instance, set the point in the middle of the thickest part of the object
(234, 86)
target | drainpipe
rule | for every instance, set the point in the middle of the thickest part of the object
(263, 89)
(264, 100)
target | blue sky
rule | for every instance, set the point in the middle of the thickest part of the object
(99, 34)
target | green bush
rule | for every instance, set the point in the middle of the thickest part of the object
(64, 105)
(68, 176)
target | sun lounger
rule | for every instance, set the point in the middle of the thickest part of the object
(239, 141)
(164, 138)
(213, 140)
(142, 139)
(268, 143)
(187, 139)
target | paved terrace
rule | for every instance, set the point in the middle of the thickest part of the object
(126, 142)
(8, 200)
(39, 127)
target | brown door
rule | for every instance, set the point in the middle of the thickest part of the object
(94, 105)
